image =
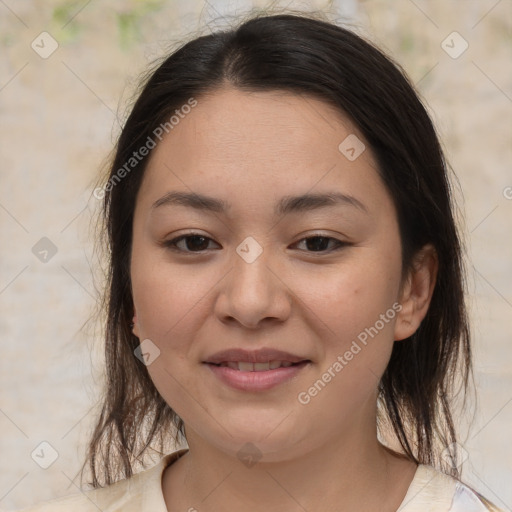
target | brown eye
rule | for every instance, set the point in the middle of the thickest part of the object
(320, 243)
(189, 243)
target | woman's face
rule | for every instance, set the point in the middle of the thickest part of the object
(254, 283)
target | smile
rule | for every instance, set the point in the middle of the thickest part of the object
(252, 377)
(243, 366)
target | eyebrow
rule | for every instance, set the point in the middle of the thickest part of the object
(286, 205)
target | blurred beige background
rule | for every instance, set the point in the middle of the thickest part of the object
(59, 116)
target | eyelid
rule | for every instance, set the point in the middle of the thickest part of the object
(171, 244)
(339, 244)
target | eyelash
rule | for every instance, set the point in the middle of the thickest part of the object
(171, 244)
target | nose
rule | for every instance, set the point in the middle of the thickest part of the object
(253, 293)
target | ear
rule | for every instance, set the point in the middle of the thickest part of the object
(416, 292)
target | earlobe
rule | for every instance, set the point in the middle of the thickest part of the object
(417, 292)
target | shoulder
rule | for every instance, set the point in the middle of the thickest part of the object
(141, 492)
(75, 502)
(467, 499)
(116, 497)
(434, 491)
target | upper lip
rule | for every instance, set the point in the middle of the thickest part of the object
(263, 355)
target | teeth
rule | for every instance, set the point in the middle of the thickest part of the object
(257, 367)
(245, 367)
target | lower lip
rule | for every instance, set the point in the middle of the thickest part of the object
(256, 381)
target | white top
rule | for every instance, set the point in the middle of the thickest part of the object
(429, 491)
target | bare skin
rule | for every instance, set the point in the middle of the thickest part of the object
(251, 149)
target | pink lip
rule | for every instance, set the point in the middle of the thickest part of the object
(263, 355)
(258, 380)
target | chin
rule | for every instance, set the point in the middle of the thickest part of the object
(249, 434)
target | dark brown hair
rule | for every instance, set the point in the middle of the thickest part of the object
(317, 58)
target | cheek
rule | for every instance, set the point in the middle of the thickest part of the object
(169, 304)
(356, 305)
(351, 296)
(165, 295)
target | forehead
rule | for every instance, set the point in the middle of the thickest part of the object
(247, 145)
(245, 120)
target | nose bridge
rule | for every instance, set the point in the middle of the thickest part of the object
(251, 278)
(253, 292)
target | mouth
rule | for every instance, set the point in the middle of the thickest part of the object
(255, 371)
(263, 359)
(244, 366)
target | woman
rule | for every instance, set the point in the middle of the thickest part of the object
(286, 285)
